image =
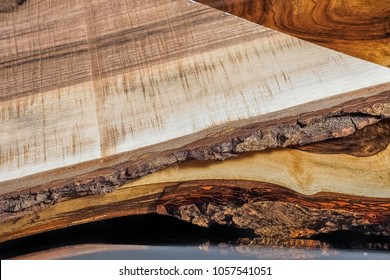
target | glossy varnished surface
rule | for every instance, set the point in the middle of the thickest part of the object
(355, 27)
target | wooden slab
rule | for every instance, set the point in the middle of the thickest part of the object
(96, 94)
(356, 27)
(83, 88)
(282, 193)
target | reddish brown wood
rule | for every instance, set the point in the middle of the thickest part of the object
(355, 27)
(28, 205)
(366, 142)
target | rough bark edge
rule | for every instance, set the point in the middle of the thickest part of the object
(337, 122)
(365, 142)
(273, 219)
(273, 211)
(270, 210)
(278, 136)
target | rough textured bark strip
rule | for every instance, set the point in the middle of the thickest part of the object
(98, 108)
(272, 211)
(106, 181)
(366, 142)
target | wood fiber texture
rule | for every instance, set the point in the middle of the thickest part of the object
(9, 5)
(365, 142)
(351, 191)
(84, 86)
(356, 27)
(97, 94)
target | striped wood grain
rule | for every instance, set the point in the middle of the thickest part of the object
(84, 80)
(356, 27)
(94, 94)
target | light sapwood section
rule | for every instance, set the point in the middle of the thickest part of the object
(335, 181)
(84, 80)
(39, 134)
(300, 171)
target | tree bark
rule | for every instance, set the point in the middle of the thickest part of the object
(96, 96)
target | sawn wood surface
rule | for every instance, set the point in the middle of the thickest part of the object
(356, 27)
(77, 85)
(94, 94)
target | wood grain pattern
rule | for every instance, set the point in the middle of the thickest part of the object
(9, 5)
(295, 177)
(88, 87)
(356, 27)
(271, 211)
(366, 142)
(103, 176)
(98, 93)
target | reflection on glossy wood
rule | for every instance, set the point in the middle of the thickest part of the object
(79, 251)
(258, 248)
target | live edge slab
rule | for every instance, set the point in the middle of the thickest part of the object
(113, 108)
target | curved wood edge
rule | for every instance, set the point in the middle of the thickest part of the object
(356, 27)
(78, 250)
(17, 207)
(280, 180)
(271, 211)
(365, 142)
(341, 120)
